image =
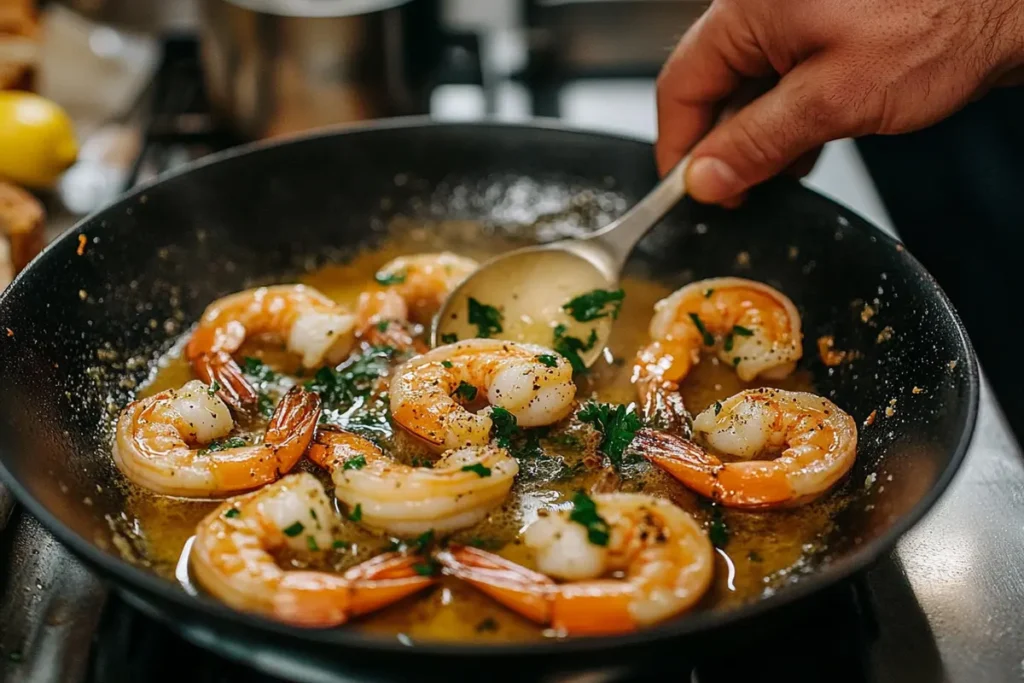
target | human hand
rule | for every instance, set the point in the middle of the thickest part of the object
(846, 68)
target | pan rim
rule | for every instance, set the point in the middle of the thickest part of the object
(140, 583)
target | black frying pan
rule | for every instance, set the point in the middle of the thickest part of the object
(152, 261)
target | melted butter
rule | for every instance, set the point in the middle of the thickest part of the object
(765, 548)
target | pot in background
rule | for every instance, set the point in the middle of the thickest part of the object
(277, 67)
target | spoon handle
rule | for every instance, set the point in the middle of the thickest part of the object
(620, 236)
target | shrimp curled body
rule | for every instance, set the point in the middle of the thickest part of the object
(232, 558)
(531, 382)
(309, 324)
(817, 440)
(457, 492)
(158, 442)
(663, 554)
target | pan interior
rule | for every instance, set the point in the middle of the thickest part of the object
(84, 329)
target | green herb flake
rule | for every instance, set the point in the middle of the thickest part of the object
(465, 391)
(486, 318)
(294, 530)
(570, 347)
(382, 326)
(311, 544)
(214, 388)
(718, 531)
(340, 545)
(618, 425)
(728, 342)
(312, 513)
(735, 361)
(480, 470)
(599, 303)
(742, 331)
(256, 368)
(388, 279)
(339, 388)
(718, 407)
(357, 513)
(423, 462)
(425, 568)
(449, 338)
(446, 364)
(223, 445)
(232, 513)
(547, 360)
(265, 405)
(709, 339)
(584, 511)
(488, 624)
(504, 425)
(424, 540)
(708, 293)
(356, 463)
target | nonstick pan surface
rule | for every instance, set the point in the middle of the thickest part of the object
(80, 326)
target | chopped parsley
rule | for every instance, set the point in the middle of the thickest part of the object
(425, 568)
(354, 379)
(486, 318)
(718, 407)
(737, 330)
(548, 360)
(735, 361)
(449, 338)
(424, 540)
(423, 462)
(356, 463)
(265, 405)
(488, 624)
(213, 446)
(232, 513)
(617, 425)
(584, 511)
(340, 545)
(570, 347)
(214, 388)
(446, 363)
(599, 303)
(382, 326)
(254, 367)
(718, 532)
(481, 470)
(294, 530)
(388, 279)
(312, 513)
(465, 391)
(709, 339)
(504, 425)
(357, 513)
(708, 293)
(311, 544)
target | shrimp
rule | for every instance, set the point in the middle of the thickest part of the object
(309, 323)
(420, 282)
(818, 444)
(531, 382)
(749, 325)
(232, 558)
(158, 442)
(663, 556)
(457, 492)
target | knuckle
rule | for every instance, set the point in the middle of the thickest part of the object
(758, 146)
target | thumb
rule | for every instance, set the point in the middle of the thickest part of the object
(801, 113)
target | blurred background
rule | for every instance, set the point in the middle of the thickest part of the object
(147, 85)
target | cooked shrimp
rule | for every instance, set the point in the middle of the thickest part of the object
(750, 325)
(165, 442)
(531, 382)
(232, 558)
(421, 282)
(817, 440)
(663, 555)
(457, 492)
(308, 323)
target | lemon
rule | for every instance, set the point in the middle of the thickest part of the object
(37, 139)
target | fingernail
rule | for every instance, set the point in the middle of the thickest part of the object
(712, 180)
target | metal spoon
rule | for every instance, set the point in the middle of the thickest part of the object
(531, 287)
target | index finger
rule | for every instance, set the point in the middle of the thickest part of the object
(708, 64)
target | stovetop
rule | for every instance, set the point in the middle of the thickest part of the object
(946, 605)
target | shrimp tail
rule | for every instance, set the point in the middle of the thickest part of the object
(386, 579)
(520, 589)
(682, 458)
(662, 406)
(293, 422)
(221, 368)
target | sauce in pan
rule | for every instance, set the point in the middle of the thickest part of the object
(757, 551)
